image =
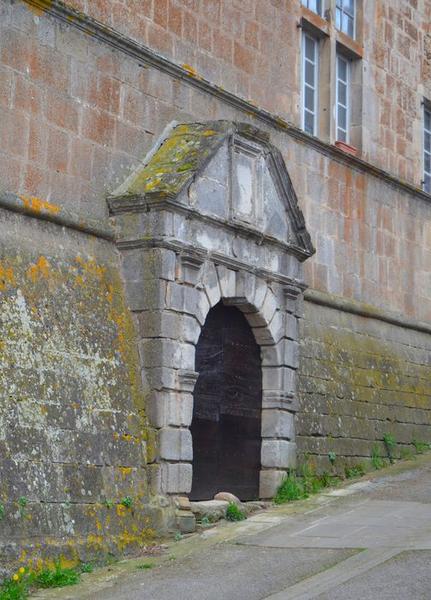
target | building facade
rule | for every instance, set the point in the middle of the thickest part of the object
(169, 167)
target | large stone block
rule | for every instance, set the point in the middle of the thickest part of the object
(278, 424)
(227, 279)
(280, 454)
(175, 444)
(270, 480)
(176, 478)
(170, 408)
(211, 284)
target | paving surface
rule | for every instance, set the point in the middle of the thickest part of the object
(369, 541)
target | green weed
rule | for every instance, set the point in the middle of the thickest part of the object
(354, 471)
(57, 577)
(14, 588)
(86, 568)
(376, 459)
(420, 447)
(332, 457)
(390, 445)
(22, 504)
(291, 488)
(127, 501)
(234, 513)
(2, 511)
(145, 566)
(178, 536)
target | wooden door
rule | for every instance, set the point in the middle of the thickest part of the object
(226, 425)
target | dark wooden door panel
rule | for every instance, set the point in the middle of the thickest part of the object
(226, 426)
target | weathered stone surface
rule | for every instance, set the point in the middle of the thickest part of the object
(278, 453)
(214, 510)
(270, 480)
(227, 497)
(186, 521)
(182, 503)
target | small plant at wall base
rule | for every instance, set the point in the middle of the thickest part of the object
(354, 471)
(420, 447)
(332, 457)
(233, 513)
(299, 485)
(390, 445)
(2, 511)
(376, 459)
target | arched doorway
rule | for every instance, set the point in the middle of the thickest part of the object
(226, 425)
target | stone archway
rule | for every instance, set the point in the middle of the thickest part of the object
(212, 216)
(227, 406)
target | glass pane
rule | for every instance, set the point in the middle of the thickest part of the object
(309, 122)
(427, 163)
(427, 184)
(342, 117)
(427, 141)
(342, 93)
(349, 7)
(309, 48)
(309, 73)
(338, 18)
(427, 119)
(309, 98)
(319, 6)
(350, 27)
(339, 3)
(341, 135)
(342, 69)
(312, 5)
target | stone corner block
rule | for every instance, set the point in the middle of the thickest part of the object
(279, 454)
(176, 478)
(270, 481)
(175, 444)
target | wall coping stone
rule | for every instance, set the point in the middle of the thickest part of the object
(365, 310)
(146, 55)
(40, 209)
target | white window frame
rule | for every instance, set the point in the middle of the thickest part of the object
(315, 86)
(426, 149)
(340, 10)
(338, 104)
(307, 3)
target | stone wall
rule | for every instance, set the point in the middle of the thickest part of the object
(73, 432)
(359, 379)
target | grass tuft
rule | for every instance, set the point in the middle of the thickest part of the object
(234, 513)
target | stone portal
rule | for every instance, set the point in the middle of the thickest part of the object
(227, 407)
(211, 216)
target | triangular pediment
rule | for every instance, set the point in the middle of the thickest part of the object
(225, 171)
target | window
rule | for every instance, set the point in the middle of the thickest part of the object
(309, 83)
(345, 17)
(342, 98)
(427, 150)
(314, 5)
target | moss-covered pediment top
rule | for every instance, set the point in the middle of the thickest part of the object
(224, 170)
(180, 156)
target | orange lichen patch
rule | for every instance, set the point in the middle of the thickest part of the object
(7, 277)
(38, 206)
(40, 8)
(190, 70)
(121, 510)
(91, 267)
(209, 132)
(40, 269)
